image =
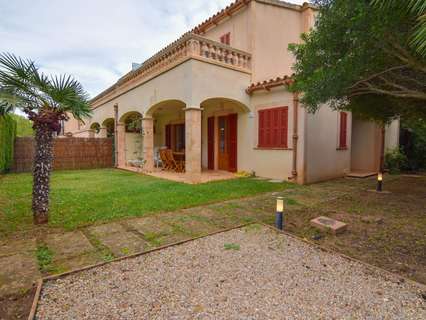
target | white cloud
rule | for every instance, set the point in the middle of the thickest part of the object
(96, 40)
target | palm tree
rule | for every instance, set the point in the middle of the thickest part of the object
(416, 8)
(47, 101)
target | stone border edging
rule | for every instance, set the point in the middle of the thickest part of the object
(41, 281)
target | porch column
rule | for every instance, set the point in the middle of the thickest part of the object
(193, 142)
(148, 143)
(121, 145)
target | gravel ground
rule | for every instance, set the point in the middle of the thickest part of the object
(261, 275)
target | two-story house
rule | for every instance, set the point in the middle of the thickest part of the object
(219, 95)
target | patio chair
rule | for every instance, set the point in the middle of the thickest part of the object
(177, 165)
(167, 164)
(157, 158)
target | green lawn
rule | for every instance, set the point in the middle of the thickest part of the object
(81, 198)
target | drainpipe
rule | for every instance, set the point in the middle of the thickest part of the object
(295, 134)
(116, 134)
(382, 149)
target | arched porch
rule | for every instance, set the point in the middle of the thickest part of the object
(222, 120)
(204, 136)
(130, 139)
(107, 129)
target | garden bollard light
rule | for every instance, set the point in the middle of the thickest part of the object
(279, 213)
(379, 182)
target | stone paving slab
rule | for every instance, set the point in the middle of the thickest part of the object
(169, 239)
(17, 273)
(78, 262)
(68, 245)
(105, 229)
(219, 219)
(12, 247)
(190, 224)
(123, 244)
(149, 226)
(328, 224)
(118, 239)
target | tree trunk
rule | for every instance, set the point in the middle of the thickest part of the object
(41, 173)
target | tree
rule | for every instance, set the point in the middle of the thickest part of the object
(359, 52)
(413, 7)
(47, 101)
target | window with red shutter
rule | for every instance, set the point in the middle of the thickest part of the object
(343, 130)
(273, 128)
(226, 39)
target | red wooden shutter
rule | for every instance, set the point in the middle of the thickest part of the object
(268, 135)
(261, 142)
(232, 141)
(283, 128)
(210, 142)
(228, 38)
(273, 128)
(169, 136)
(343, 129)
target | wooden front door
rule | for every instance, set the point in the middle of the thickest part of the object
(210, 143)
(227, 137)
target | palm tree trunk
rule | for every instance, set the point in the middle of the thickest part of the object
(41, 173)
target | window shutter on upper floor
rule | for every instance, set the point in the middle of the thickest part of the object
(226, 39)
(343, 130)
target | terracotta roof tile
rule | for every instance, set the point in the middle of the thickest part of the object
(268, 84)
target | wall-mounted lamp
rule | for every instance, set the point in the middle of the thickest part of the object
(279, 213)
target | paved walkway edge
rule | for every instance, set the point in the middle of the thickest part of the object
(41, 281)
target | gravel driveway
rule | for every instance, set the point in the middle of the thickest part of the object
(248, 273)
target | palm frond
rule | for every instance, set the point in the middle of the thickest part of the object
(24, 87)
(68, 95)
(417, 8)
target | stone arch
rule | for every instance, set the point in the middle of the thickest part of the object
(163, 106)
(225, 102)
(132, 121)
(109, 124)
(96, 127)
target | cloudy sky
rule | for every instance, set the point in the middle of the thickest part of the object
(97, 40)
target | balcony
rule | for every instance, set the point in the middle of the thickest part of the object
(189, 46)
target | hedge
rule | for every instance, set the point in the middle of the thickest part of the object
(7, 140)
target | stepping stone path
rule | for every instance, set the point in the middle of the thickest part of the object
(94, 244)
(118, 239)
(18, 268)
(68, 245)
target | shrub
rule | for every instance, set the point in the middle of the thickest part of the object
(7, 141)
(413, 143)
(24, 127)
(395, 160)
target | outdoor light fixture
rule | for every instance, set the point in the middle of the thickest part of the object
(379, 182)
(279, 213)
